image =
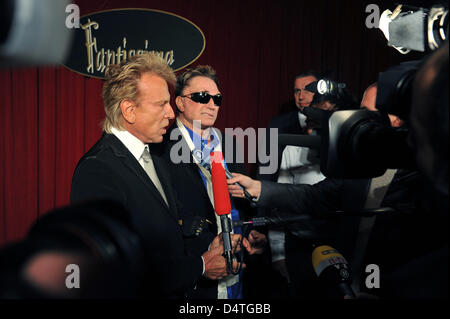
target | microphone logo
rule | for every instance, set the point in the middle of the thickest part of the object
(345, 274)
(332, 267)
(324, 257)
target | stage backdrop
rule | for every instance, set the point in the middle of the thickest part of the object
(50, 116)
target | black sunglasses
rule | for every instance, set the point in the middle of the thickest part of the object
(204, 98)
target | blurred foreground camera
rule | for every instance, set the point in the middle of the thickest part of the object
(362, 144)
(33, 32)
(411, 28)
(94, 238)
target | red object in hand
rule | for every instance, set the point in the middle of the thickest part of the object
(222, 204)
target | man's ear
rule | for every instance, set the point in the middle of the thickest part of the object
(179, 103)
(128, 110)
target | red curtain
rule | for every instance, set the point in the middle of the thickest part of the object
(50, 116)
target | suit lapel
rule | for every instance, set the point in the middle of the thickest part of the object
(195, 176)
(164, 178)
(133, 165)
(194, 173)
(191, 169)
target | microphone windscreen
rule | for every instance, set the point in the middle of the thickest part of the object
(222, 204)
(324, 257)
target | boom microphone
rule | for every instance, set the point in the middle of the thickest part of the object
(269, 221)
(331, 266)
(283, 220)
(222, 204)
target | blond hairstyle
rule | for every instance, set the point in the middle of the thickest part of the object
(122, 84)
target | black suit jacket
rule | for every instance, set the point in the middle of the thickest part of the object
(109, 171)
(194, 199)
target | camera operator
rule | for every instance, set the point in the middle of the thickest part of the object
(291, 120)
(291, 246)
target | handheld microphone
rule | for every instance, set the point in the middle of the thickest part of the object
(198, 155)
(222, 204)
(331, 266)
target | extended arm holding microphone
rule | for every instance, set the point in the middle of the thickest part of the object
(298, 199)
(285, 220)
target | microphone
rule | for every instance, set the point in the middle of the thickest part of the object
(331, 266)
(222, 204)
(246, 194)
(198, 155)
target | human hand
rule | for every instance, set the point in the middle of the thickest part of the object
(236, 240)
(215, 264)
(253, 187)
(257, 242)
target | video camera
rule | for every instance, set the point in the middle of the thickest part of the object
(33, 32)
(326, 87)
(336, 93)
(361, 143)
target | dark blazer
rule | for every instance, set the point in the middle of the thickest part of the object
(194, 199)
(109, 171)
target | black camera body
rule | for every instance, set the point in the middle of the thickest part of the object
(362, 144)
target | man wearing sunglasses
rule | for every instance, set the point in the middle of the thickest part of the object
(198, 101)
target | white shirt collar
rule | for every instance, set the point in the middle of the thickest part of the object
(302, 119)
(131, 142)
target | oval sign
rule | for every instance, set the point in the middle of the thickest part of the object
(109, 37)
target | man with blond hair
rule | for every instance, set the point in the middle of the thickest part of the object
(124, 167)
